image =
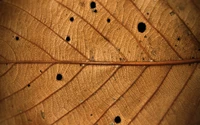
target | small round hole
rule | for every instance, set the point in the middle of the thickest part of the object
(59, 77)
(92, 5)
(95, 11)
(16, 38)
(141, 27)
(71, 19)
(67, 38)
(108, 20)
(28, 85)
(82, 65)
(117, 119)
(171, 13)
(178, 38)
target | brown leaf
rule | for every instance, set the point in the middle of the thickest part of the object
(99, 62)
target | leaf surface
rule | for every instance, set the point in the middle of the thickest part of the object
(69, 62)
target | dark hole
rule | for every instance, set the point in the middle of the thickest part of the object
(147, 13)
(29, 85)
(117, 119)
(171, 13)
(17, 38)
(82, 64)
(68, 38)
(95, 11)
(71, 19)
(93, 5)
(59, 77)
(178, 38)
(141, 27)
(108, 20)
(91, 114)
(198, 49)
(193, 57)
(121, 59)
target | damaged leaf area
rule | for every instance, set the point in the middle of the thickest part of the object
(99, 62)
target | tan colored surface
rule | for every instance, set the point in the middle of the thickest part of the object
(95, 93)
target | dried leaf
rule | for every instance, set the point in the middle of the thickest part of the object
(99, 62)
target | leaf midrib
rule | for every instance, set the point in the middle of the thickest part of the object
(121, 63)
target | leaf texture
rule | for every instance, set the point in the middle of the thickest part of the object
(85, 62)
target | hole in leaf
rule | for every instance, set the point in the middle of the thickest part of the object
(178, 38)
(117, 119)
(67, 38)
(95, 11)
(71, 19)
(172, 13)
(92, 5)
(141, 27)
(82, 64)
(108, 20)
(28, 85)
(91, 114)
(59, 77)
(16, 38)
(147, 13)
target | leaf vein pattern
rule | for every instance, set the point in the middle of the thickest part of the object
(28, 83)
(29, 42)
(93, 28)
(3, 57)
(121, 95)
(7, 70)
(128, 31)
(184, 23)
(88, 96)
(47, 96)
(157, 30)
(151, 96)
(45, 26)
(182, 89)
